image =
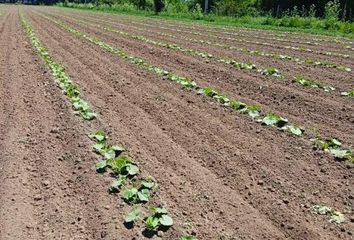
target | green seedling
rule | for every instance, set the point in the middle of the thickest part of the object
(334, 147)
(140, 193)
(349, 93)
(222, 99)
(187, 238)
(293, 129)
(334, 216)
(330, 143)
(253, 111)
(271, 72)
(99, 136)
(108, 151)
(209, 92)
(133, 216)
(274, 119)
(158, 218)
(120, 165)
(117, 183)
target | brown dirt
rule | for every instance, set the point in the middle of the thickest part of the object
(341, 80)
(186, 31)
(219, 173)
(322, 111)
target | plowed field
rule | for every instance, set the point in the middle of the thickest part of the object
(221, 173)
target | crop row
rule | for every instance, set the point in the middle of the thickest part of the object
(124, 170)
(285, 57)
(238, 34)
(331, 145)
(300, 49)
(312, 40)
(278, 56)
(238, 64)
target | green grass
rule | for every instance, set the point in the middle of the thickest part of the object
(303, 25)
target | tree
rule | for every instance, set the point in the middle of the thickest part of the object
(159, 5)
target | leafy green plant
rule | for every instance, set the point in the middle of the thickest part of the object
(328, 143)
(349, 93)
(253, 111)
(312, 83)
(99, 136)
(334, 216)
(133, 215)
(187, 238)
(293, 129)
(274, 119)
(237, 105)
(140, 193)
(334, 147)
(158, 218)
(121, 165)
(271, 72)
(117, 183)
(108, 151)
(221, 99)
(209, 92)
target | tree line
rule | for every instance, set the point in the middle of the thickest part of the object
(275, 8)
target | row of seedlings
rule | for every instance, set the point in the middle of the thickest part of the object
(282, 37)
(306, 61)
(255, 112)
(123, 168)
(240, 65)
(135, 191)
(300, 49)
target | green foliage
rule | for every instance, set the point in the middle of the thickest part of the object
(312, 83)
(118, 183)
(274, 119)
(251, 110)
(60, 75)
(349, 93)
(140, 193)
(334, 216)
(334, 147)
(133, 215)
(158, 218)
(187, 238)
(158, 5)
(238, 12)
(271, 72)
(332, 10)
(197, 12)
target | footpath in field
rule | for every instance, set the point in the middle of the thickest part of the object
(221, 175)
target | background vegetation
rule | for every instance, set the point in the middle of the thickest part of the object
(314, 15)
